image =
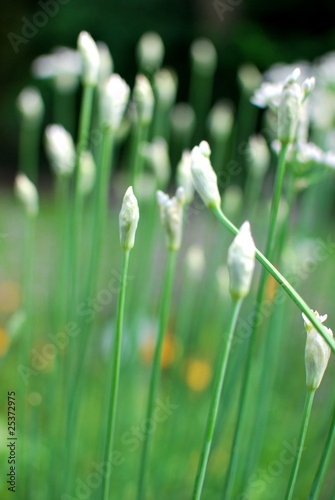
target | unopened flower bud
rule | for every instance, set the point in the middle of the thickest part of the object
(290, 108)
(26, 192)
(220, 120)
(317, 353)
(258, 156)
(195, 261)
(128, 219)
(204, 177)
(165, 85)
(106, 64)
(87, 171)
(241, 262)
(150, 51)
(60, 150)
(90, 59)
(114, 99)
(203, 56)
(184, 176)
(157, 156)
(171, 211)
(144, 99)
(30, 105)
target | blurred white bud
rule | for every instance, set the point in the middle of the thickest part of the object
(184, 176)
(203, 56)
(195, 261)
(171, 211)
(165, 85)
(87, 170)
(144, 99)
(157, 155)
(308, 85)
(241, 262)
(232, 201)
(30, 105)
(220, 120)
(106, 64)
(249, 77)
(128, 219)
(289, 111)
(258, 156)
(204, 177)
(183, 119)
(114, 100)
(26, 193)
(90, 59)
(60, 150)
(317, 353)
(150, 51)
(63, 66)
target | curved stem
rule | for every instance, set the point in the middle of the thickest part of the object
(163, 317)
(303, 431)
(115, 374)
(214, 405)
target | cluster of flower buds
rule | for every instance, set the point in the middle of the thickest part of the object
(171, 211)
(128, 219)
(317, 353)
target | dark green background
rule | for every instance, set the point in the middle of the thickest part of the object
(257, 31)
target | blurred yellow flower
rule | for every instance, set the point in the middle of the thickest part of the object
(198, 374)
(9, 296)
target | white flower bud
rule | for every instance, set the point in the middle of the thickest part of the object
(26, 192)
(241, 262)
(249, 77)
(128, 219)
(184, 176)
(63, 66)
(203, 56)
(157, 155)
(195, 261)
(183, 119)
(144, 99)
(258, 156)
(290, 108)
(204, 177)
(220, 120)
(165, 85)
(87, 171)
(30, 104)
(114, 99)
(171, 211)
(60, 150)
(317, 353)
(106, 65)
(90, 59)
(308, 86)
(150, 51)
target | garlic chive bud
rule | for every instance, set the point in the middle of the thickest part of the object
(204, 177)
(150, 52)
(87, 171)
(203, 56)
(128, 219)
(171, 211)
(106, 65)
(165, 86)
(195, 261)
(183, 120)
(184, 176)
(27, 194)
(249, 78)
(90, 59)
(308, 86)
(114, 99)
(30, 105)
(289, 109)
(241, 262)
(157, 155)
(60, 150)
(317, 353)
(258, 156)
(144, 99)
(220, 120)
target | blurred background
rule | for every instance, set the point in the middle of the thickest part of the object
(243, 31)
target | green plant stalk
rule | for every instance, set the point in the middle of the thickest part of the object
(161, 124)
(324, 462)
(291, 292)
(115, 372)
(154, 380)
(200, 96)
(214, 405)
(29, 149)
(141, 133)
(242, 407)
(301, 440)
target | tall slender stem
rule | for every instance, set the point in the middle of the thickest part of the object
(303, 431)
(324, 462)
(214, 405)
(163, 317)
(115, 374)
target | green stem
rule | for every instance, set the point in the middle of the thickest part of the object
(115, 374)
(29, 149)
(214, 406)
(324, 462)
(291, 292)
(163, 317)
(140, 136)
(303, 431)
